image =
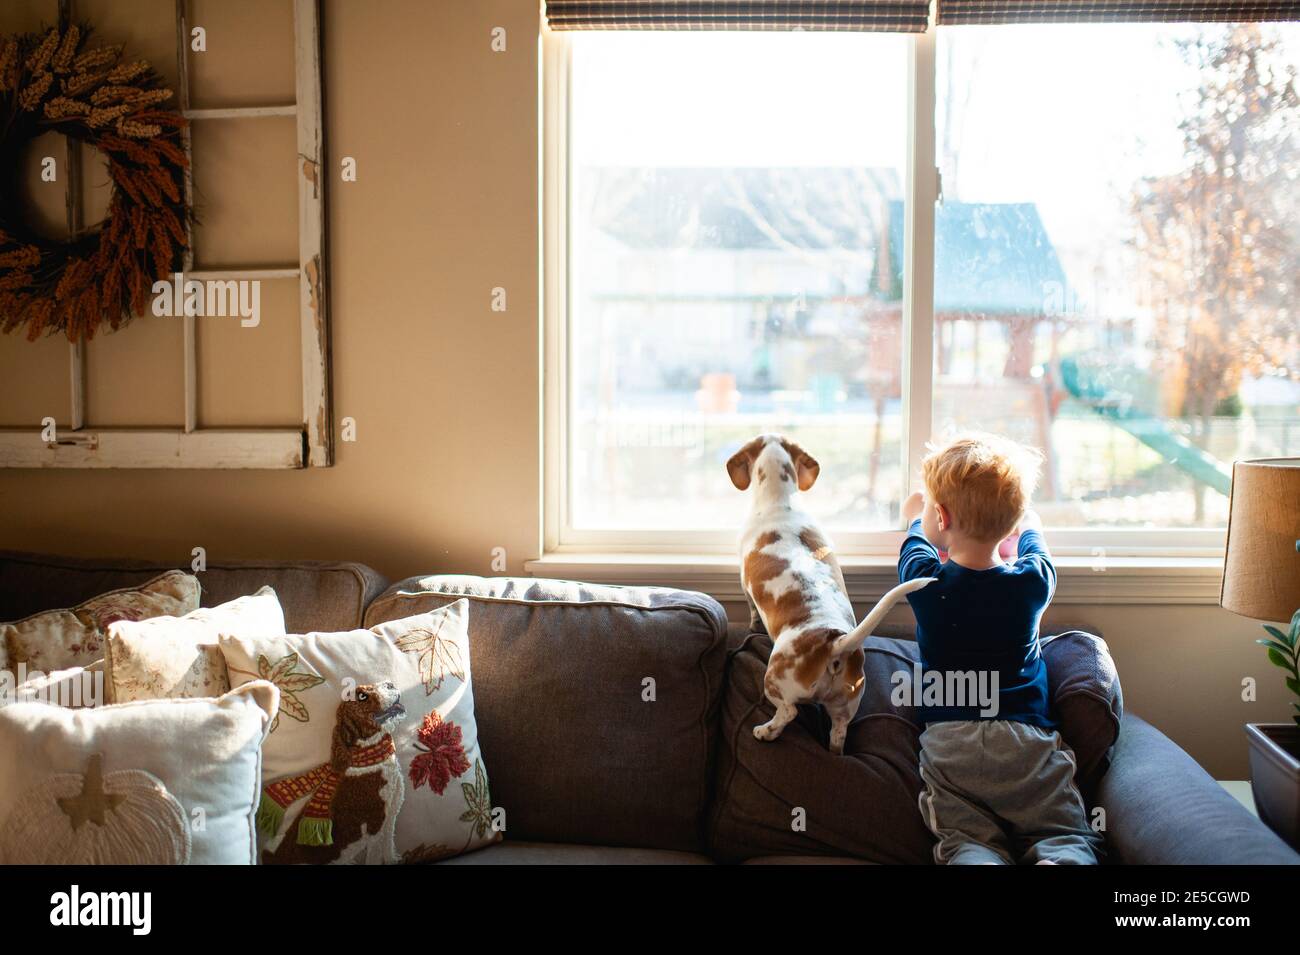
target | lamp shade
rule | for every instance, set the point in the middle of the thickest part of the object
(1261, 571)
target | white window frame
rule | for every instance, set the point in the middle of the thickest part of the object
(1139, 549)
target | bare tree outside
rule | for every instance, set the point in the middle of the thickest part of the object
(1218, 240)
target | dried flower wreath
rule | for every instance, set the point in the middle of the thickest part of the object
(55, 83)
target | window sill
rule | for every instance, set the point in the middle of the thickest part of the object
(1081, 580)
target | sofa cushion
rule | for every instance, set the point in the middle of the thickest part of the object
(1086, 700)
(315, 595)
(1162, 808)
(864, 804)
(595, 704)
(793, 796)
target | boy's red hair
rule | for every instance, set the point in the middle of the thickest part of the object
(984, 481)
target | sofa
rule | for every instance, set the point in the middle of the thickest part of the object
(615, 724)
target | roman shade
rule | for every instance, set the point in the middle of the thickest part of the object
(894, 16)
(957, 12)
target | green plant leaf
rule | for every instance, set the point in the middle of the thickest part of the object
(1274, 645)
(1294, 686)
(1286, 639)
(1279, 660)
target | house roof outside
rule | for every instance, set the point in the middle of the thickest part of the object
(992, 258)
(752, 208)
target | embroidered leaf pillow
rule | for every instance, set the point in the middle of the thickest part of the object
(373, 757)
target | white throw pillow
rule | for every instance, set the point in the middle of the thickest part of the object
(178, 657)
(58, 639)
(156, 782)
(375, 732)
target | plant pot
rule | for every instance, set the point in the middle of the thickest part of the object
(1275, 776)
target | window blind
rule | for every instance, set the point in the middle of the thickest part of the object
(894, 16)
(956, 12)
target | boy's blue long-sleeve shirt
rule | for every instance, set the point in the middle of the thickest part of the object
(983, 620)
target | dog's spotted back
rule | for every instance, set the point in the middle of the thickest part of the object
(796, 588)
(787, 565)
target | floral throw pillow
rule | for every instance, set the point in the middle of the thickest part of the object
(373, 756)
(60, 639)
(178, 657)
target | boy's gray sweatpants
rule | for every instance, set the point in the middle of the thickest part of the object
(1003, 791)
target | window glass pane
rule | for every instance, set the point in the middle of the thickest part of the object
(735, 252)
(1117, 255)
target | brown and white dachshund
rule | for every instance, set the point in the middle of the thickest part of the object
(796, 589)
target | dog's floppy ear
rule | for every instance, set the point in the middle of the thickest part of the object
(806, 467)
(740, 464)
(345, 735)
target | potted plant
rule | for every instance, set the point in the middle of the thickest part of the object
(1275, 747)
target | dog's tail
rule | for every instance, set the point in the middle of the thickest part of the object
(858, 635)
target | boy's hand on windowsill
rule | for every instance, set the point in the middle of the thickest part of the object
(912, 508)
(1030, 522)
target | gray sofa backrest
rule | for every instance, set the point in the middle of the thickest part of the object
(596, 705)
(315, 595)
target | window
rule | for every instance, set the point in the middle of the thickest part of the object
(1111, 272)
(1116, 256)
(725, 222)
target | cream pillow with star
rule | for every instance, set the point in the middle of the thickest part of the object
(162, 782)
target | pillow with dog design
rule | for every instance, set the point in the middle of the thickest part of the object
(373, 757)
(178, 657)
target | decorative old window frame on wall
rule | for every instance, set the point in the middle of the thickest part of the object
(310, 445)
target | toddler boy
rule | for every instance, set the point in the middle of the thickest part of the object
(999, 781)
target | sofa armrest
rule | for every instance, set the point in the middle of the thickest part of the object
(1162, 808)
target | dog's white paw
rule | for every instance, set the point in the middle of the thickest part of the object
(837, 740)
(765, 732)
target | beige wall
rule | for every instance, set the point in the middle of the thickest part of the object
(445, 392)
